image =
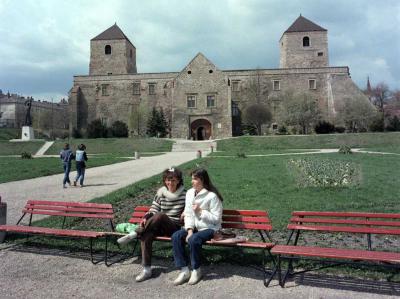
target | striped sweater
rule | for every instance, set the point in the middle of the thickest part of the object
(172, 204)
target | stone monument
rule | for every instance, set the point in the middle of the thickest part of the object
(27, 130)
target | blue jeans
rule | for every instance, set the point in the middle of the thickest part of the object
(195, 242)
(67, 169)
(80, 172)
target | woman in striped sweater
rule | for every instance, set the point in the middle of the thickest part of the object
(163, 218)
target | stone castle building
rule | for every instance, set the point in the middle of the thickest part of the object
(202, 101)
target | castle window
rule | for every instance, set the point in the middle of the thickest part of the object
(276, 84)
(191, 101)
(152, 88)
(312, 84)
(210, 71)
(189, 72)
(210, 101)
(130, 53)
(104, 89)
(320, 53)
(306, 41)
(107, 50)
(136, 88)
(235, 86)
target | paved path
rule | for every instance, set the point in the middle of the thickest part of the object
(99, 181)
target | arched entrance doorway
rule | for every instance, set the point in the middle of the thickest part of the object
(200, 129)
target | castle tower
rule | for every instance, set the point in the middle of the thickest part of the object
(304, 44)
(111, 52)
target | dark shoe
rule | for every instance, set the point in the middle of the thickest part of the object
(74, 183)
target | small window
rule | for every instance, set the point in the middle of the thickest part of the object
(320, 53)
(235, 86)
(210, 71)
(312, 84)
(189, 72)
(107, 50)
(104, 121)
(130, 53)
(104, 89)
(191, 101)
(136, 88)
(306, 41)
(152, 88)
(276, 85)
(210, 101)
(109, 74)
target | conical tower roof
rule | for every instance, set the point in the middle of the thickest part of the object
(303, 25)
(112, 33)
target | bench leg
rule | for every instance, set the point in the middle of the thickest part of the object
(278, 267)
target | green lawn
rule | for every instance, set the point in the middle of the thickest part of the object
(258, 145)
(8, 133)
(16, 148)
(116, 146)
(15, 169)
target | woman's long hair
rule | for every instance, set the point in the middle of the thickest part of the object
(202, 174)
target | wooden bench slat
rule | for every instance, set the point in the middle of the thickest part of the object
(50, 231)
(346, 214)
(71, 204)
(345, 221)
(335, 253)
(362, 230)
(245, 219)
(247, 226)
(68, 209)
(81, 215)
(245, 212)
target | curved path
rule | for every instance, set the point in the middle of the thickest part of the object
(98, 180)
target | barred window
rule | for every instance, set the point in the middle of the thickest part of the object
(107, 50)
(136, 88)
(191, 101)
(276, 85)
(312, 84)
(104, 89)
(210, 101)
(152, 88)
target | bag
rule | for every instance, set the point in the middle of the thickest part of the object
(126, 228)
(223, 234)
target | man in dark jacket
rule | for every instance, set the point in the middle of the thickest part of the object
(66, 156)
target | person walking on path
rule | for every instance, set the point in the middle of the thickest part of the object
(162, 219)
(80, 158)
(66, 156)
(203, 216)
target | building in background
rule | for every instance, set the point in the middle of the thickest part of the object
(202, 101)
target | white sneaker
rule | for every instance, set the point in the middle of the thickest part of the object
(195, 277)
(145, 274)
(182, 278)
(128, 238)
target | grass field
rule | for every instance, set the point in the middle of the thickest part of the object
(259, 145)
(16, 148)
(15, 169)
(116, 146)
(8, 133)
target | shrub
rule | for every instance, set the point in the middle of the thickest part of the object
(76, 133)
(345, 149)
(324, 127)
(241, 155)
(119, 129)
(394, 124)
(282, 130)
(26, 155)
(96, 129)
(340, 129)
(377, 124)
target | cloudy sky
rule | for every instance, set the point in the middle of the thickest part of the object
(45, 42)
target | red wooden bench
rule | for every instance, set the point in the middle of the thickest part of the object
(242, 220)
(349, 223)
(65, 210)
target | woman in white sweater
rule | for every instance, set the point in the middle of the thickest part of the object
(203, 214)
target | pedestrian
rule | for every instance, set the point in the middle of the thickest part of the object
(80, 158)
(203, 216)
(66, 156)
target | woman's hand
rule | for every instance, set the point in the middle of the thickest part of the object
(190, 233)
(143, 222)
(196, 208)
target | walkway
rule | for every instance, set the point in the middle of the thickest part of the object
(99, 181)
